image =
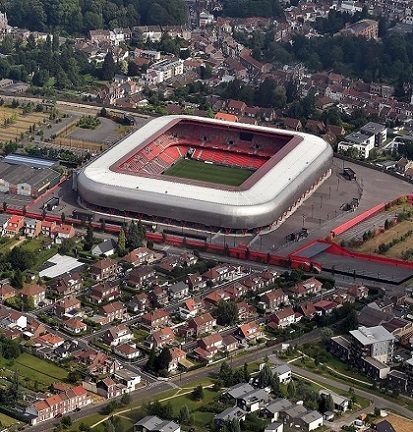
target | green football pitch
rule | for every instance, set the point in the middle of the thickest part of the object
(197, 170)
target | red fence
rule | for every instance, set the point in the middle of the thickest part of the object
(367, 214)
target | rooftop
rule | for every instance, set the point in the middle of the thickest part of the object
(371, 335)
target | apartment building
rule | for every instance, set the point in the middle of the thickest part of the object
(163, 71)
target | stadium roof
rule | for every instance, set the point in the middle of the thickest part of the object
(284, 178)
(262, 191)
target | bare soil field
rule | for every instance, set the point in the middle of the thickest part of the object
(18, 122)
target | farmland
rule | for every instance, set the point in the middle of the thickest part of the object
(14, 122)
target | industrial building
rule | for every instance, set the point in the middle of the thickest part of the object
(25, 180)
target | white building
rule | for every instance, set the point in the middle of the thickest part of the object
(163, 71)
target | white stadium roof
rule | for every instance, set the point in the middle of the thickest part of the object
(286, 177)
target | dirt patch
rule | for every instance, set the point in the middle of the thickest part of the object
(400, 424)
(387, 236)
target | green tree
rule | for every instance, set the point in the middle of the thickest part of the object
(121, 246)
(184, 415)
(226, 374)
(150, 364)
(163, 360)
(17, 281)
(350, 321)
(198, 393)
(226, 312)
(265, 377)
(326, 403)
(125, 399)
(108, 70)
(291, 390)
(135, 235)
(66, 422)
(89, 238)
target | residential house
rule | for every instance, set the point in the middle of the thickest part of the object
(325, 307)
(228, 415)
(104, 292)
(284, 317)
(63, 232)
(159, 296)
(299, 418)
(33, 292)
(74, 325)
(58, 405)
(104, 269)
(212, 344)
(221, 273)
(113, 311)
(106, 248)
(109, 389)
(230, 343)
(48, 228)
(6, 292)
(128, 379)
(138, 303)
(97, 362)
(195, 282)
(292, 124)
(155, 424)
(141, 255)
(246, 311)
(341, 403)
(117, 335)
(67, 306)
(269, 276)
(273, 409)
(68, 284)
(48, 340)
(32, 227)
(202, 324)
(155, 319)
(4, 221)
(253, 400)
(283, 373)
(127, 351)
(236, 107)
(14, 225)
(177, 357)
(187, 259)
(178, 291)
(272, 300)
(189, 308)
(359, 292)
(141, 276)
(161, 338)
(308, 287)
(307, 309)
(249, 331)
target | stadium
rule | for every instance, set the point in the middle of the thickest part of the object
(205, 173)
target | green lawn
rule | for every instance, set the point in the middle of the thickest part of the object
(42, 254)
(33, 369)
(197, 170)
(7, 421)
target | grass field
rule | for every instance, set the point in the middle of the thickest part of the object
(196, 170)
(33, 369)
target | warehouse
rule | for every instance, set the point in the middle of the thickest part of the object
(27, 181)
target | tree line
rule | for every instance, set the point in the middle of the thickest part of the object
(78, 16)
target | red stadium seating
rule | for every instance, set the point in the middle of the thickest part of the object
(223, 147)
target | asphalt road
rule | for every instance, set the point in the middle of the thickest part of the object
(184, 380)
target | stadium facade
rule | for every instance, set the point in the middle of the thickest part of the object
(132, 177)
